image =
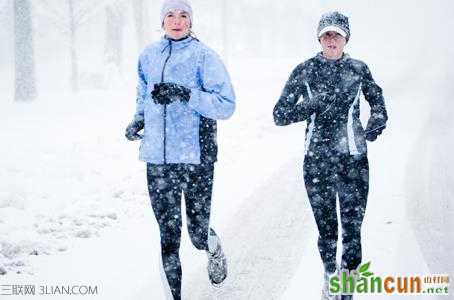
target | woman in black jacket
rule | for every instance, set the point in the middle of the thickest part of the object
(336, 152)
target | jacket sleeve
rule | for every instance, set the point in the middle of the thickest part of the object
(216, 98)
(141, 93)
(374, 96)
(287, 111)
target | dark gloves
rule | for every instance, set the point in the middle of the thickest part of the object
(132, 130)
(318, 104)
(374, 128)
(166, 93)
(321, 104)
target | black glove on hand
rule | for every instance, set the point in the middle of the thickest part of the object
(166, 93)
(374, 128)
(160, 94)
(304, 109)
(321, 104)
(132, 130)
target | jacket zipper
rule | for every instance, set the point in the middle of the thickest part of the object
(165, 105)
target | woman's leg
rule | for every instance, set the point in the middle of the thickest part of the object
(198, 186)
(319, 178)
(164, 188)
(198, 189)
(353, 190)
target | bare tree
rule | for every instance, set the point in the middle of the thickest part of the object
(138, 9)
(114, 34)
(225, 29)
(80, 12)
(25, 85)
(113, 48)
(72, 38)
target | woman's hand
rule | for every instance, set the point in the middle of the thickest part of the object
(132, 131)
(374, 128)
(166, 93)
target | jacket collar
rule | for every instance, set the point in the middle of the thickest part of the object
(323, 59)
(165, 42)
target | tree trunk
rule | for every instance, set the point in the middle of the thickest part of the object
(113, 50)
(114, 36)
(25, 85)
(138, 8)
(225, 30)
(72, 34)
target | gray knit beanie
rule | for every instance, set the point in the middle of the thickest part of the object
(334, 21)
(172, 5)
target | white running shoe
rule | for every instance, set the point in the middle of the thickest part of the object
(325, 291)
(217, 263)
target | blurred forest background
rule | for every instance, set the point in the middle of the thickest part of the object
(82, 44)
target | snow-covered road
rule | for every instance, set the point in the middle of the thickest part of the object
(270, 241)
(72, 188)
(269, 234)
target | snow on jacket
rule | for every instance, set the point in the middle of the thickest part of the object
(338, 84)
(182, 132)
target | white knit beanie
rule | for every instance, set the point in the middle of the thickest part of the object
(172, 5)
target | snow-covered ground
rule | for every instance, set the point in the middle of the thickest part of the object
(74, 209)
(74, 193)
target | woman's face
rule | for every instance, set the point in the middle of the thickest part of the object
(333, 44)
(177, 24)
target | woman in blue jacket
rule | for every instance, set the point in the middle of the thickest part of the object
(183, 89)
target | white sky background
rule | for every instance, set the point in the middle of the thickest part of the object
(402, 40)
